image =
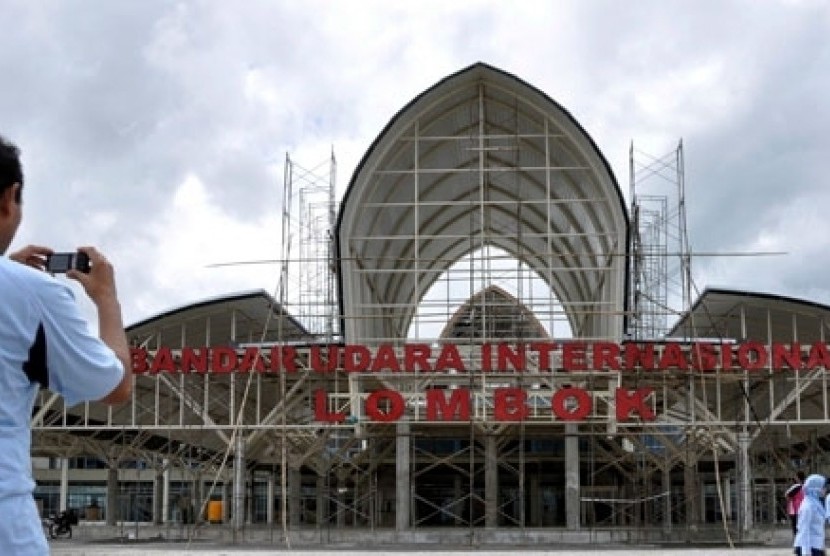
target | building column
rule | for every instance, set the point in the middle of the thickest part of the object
(535, 501)
(744, 482)
(199, 505)
(691, 493)
(248, 488)
(319, 492)
(491, 482)
(112, 495)
(340, 497)
(572, 500)
(160, 488)
(403, 497)
(457, 507)
(165, 493)
(294, 494)
(239, 487)
(666, 472)
(270, 491)
(226, 501)
(64, 491)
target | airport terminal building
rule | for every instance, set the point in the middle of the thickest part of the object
(483, 339)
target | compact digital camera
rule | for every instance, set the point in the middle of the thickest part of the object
(59, 263)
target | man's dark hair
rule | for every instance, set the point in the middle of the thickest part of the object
(11, 172)
(800, 476)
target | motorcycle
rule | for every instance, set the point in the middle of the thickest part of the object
(60, 525)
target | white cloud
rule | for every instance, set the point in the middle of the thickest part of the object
(158, 131)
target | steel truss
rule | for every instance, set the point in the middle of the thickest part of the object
(485, 216)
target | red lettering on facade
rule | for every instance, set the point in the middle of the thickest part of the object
(818, 356)
(783, 357)
(385, 406)
(508, 358)
(571, 404)
(449, 359)
(251, 361)
(194, 360)
(673, 358)
(606, 356)
(544, 350)
(163, 361)
(573, 356)
(386, 359)
(457, 408)
(633, 401)
(752, 356)
(416, 357)
(510, 404)
(321, 409)
(703, 357)
(327, 365)
(639, 357)
(356, 359)
(138, 358)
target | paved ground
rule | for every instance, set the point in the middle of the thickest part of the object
(76, 548)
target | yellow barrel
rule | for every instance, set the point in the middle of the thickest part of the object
(214, 511)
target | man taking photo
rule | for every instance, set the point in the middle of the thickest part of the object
(46, 343)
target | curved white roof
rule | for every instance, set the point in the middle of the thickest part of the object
(481, 158)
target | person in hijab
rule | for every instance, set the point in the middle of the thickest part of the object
(809, 539)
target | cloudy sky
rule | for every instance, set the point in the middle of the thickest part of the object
(158, 130)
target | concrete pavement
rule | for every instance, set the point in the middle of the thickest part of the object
(74, 548)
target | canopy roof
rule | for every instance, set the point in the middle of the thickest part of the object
(250, 316)
(481, 158)
(742, 315)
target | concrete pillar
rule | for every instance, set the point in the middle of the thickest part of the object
(199, 505)
(227, 496)
(112, 495)
(340, 497)
(321, 504)
(491, 482)
(270, 497)
(691, 493)
(64, 492)
(294, 496)
(165, 493)
(248, 490)
(355, 507)
(457, 506)
(666, 471)
(403, 496)
(572, 495)
(239, 487)
(744, 482)
(158, 497)
(535, 502)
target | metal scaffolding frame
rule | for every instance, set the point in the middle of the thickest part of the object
(483, 214)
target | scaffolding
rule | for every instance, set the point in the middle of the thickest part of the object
(482, 216)
(309, 214)
(660, 253)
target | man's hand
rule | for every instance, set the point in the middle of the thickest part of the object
(99, 283)
(32, 255)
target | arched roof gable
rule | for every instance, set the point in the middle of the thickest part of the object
(481, 155)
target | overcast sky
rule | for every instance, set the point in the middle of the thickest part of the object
(157, 130)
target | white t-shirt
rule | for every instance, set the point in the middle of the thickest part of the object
(44, 342)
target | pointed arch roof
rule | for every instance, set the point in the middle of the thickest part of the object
(480, 158)
(501, 316)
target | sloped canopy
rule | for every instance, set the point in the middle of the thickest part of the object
(725, 314)
(249, 316)
(481, 158)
